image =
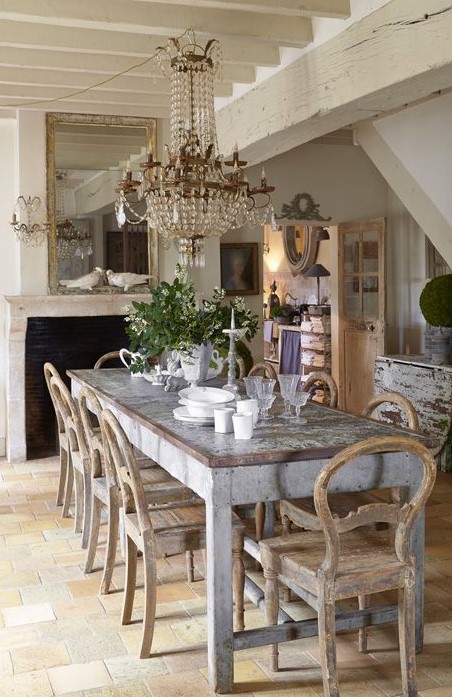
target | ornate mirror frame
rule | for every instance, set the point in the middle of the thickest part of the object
(52, 121)
(300, 246)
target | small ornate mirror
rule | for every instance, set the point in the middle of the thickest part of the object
(86, 156)
(300, 246)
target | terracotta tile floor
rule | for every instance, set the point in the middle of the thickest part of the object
(58, 637)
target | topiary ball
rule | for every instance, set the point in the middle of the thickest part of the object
(436, 301)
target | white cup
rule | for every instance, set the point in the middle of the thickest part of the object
(243, 425)
(223, 420)
(249, 405)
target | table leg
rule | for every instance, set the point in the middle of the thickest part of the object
(219, 594)
(418, 548)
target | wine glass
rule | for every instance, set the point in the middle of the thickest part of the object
(265, 398)
(251, 385)
(288, 385)
(299, 400)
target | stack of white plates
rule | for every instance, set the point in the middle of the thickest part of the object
(200, 402)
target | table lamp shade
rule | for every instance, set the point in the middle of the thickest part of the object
(315, 271)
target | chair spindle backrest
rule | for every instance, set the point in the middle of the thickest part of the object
(331, 393)
(90, 410)
(394, 398)
(402, 515)
(120, 463)
(70, 415)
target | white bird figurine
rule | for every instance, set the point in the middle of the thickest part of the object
(86, 282)
(126, 279)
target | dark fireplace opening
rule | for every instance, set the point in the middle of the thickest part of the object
(67, 342)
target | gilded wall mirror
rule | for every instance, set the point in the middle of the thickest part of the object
(300, 247)
(86, 156)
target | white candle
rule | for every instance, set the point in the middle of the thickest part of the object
(232, 319)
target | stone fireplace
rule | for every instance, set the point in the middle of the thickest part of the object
(19, 310)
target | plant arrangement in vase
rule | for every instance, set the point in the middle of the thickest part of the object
(435, 303)
(174, 320)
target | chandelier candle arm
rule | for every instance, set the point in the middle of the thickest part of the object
(191, 196)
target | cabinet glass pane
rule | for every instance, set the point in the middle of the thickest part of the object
(352, 297)
(370, 251)
(351, 252)
(370, 296)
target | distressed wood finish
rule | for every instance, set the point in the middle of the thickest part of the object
(79, 457)
(280, 461)
(160, 489)
(347, 558)
(175, 529)
(62, 498)
(429, 387)
(264, 369)
(328, 382)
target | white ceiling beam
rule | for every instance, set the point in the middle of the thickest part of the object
(40, 36)
(160, 19)
(99, 95)
(32, 58)
(391, 57)
(336, 9)
(80, 80)
(80, 107)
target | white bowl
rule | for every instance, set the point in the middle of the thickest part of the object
(206, 396)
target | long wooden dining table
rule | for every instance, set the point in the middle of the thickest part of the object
(282, 460)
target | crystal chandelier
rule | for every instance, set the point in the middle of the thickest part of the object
(190, 196)
(73, 240)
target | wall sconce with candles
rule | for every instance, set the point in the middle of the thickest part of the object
(28, 221)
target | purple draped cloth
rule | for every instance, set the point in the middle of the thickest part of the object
(289, 356)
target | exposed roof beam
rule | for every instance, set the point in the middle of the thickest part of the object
(380, 63)
(28, 35)
(158, 19)
(72, 81)
(339, 9)
(36, 58)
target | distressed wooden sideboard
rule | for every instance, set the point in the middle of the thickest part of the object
(429, 387)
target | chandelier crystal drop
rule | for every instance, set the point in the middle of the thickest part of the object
(190, 196)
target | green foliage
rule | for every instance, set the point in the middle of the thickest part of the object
(173, 319)
(276, 311)
(436, 301)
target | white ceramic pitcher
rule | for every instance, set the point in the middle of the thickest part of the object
(203, 363)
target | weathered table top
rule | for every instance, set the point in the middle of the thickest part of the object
(280, 440)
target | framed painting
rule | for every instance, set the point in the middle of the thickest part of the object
(239, 268)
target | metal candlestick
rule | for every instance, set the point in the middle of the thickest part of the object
(232, 356)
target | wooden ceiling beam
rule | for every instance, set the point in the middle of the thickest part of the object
(160, 19)
(33, 58)
(336, 9)
(132, 84)
(27, 35)
(380, 63)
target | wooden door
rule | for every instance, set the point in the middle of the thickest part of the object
(361, 309)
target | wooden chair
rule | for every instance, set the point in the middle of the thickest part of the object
(79, 465)
(160, 488)
(345, 558)
(264, 369)
(110, 356)
(173, 529)
(329, 387)
(302, 511)
(62, 498)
